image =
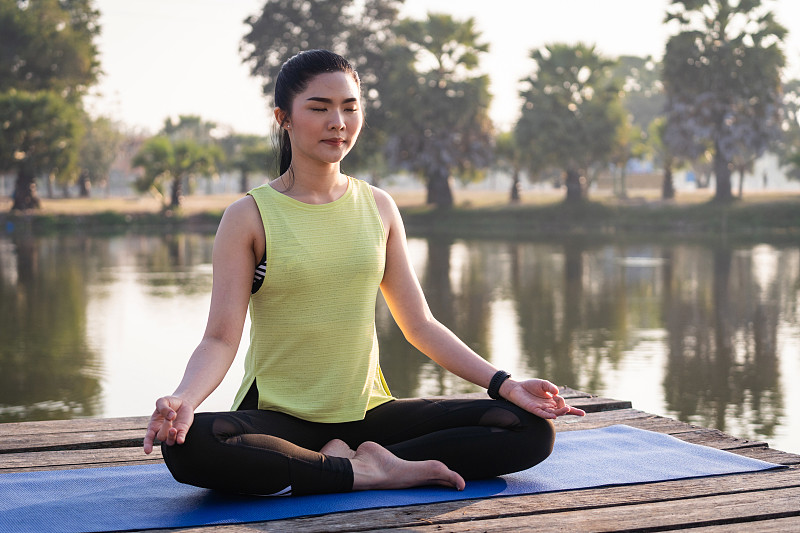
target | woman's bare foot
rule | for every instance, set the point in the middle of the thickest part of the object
(338, 448)
(375, 467)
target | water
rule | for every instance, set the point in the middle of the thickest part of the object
(101, 326)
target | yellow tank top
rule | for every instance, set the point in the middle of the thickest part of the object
(313, 347)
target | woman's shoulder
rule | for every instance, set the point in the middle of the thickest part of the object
(261, 191)
(382, 198)
(243, 212)
(387, 208)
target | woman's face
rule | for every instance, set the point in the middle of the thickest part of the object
(325, 119)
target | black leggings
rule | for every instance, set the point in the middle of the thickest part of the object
(253, 451)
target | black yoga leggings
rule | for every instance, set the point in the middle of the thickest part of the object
(261, 452)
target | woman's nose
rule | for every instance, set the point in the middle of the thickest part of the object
(337, 121)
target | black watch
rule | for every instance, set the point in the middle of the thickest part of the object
(494, 385)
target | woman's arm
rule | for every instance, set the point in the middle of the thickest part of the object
(406, 301)
(238, 242)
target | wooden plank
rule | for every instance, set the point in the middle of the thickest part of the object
(650, 422)
(600, 419)
(73, 426)
(529, 507)
(717, 439)
(597, 404)
(699, 511)
(770, 455)
(779, 525)
(569, 392)
(83, 440)
(52, 460)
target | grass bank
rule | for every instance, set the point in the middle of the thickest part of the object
(761, 216)
(774, 219)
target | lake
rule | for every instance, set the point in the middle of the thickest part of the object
(95, 326)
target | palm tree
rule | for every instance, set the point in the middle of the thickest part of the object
(440, 105)
(722, 80)
(166, 161)
(571, 116)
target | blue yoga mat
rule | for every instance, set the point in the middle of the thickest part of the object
(145, 496)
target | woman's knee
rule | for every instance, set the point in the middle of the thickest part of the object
(535, 437)
(190, 462)
(544, 438)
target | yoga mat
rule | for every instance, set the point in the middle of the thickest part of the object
(145, 496)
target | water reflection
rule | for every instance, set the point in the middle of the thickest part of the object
(47, 369)
(722, 366)
(709, 335)
(684, 330)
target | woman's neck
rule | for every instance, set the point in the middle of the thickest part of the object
(316, 184)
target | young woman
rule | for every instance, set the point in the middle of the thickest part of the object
(308, 253)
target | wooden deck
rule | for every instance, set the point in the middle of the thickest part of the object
(763, 501)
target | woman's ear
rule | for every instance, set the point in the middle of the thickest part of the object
(281, 117)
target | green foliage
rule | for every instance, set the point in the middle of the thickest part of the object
(157, 158)
(438, 103)
(362, 31)
(788, 144)
(39, 134)
(508, 158)
(98, 149)
(571, 117)
(794, 165)
(165, 160)
(357, 30)
(642, 90)
(48, 60)
(48, 45)
(722, 80)
(248, 154)
(190, 127)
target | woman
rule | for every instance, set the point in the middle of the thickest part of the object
(314, 413)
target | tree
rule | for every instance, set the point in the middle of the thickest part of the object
(642, 90)
(164, 160)
(663, 156)
(439, 110)
(571, 117)
(722, 80)
(49, 45)
(190, 127)
(284, 28)
(509, 158)
(98, 149)
(632, 144)
(362, 31)
(793, 162)
(248, 154)
(643, 101)
(787, 145)
(48, 60)
(39, 134)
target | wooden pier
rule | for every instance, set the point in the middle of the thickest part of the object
(765, 501)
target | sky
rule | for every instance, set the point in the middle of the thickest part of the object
(164, 58)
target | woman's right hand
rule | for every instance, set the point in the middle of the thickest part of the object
(169, 423)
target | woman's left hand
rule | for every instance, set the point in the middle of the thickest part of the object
(538, 396)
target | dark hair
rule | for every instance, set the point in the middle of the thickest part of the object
(293, 78)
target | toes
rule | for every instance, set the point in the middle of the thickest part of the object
(338, 448)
